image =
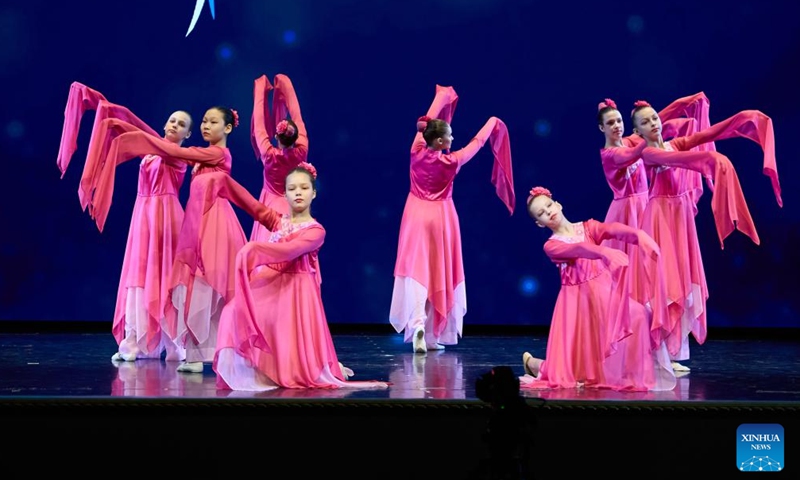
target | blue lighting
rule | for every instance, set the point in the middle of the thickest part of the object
(635, 24)
(289, 37)
(225, 52)
(542, 128)
(15, 129)
(528, 286)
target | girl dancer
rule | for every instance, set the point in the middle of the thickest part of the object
(672, 167)
(153, 233)
(599, 336)
(290, 135)
(202, 274)
(274, 332)
(621, 156)
(625, 174)
(429, 299)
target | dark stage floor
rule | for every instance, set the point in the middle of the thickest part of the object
(66, 409)
(78, 365)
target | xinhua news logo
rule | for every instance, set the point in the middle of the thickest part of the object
(759, 447)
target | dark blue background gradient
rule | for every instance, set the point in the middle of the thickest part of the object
(364, 71)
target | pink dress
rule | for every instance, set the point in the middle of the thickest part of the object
(626, 176)
(278, 162)
(670, 213)
(625, 173)
(153, 234)
(429, 272)
(599, 336)
(274, 332)
(82, 98)
(202, 273)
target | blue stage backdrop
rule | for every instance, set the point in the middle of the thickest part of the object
(364, 71)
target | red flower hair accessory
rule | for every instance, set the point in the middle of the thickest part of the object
(284, 128)
(639, 104)
(309, 168)
(607, 103)
(536, 191)
(422, 123)
(235, 117)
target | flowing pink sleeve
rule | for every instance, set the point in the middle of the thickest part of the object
(727, 201)
(444, 104)
(262, 127)
(255, 254)
(131, 145)
(624, 157)
(693, 106)
(443, 107)
(681, 127)
(110, 121)
(207, 188)
(216, 185)
(465, 154)
(284, 100)
(80, 99)
(601, 231)
(686, 116)
(678, 127)
(306, 241)
(502, 171)
(562, 252)
(750, 124)
(496, 132)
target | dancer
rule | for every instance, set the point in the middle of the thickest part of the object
(599, 336)
(153, 233)
(290, 135)
(625, 174)
(202, 273)
(621, 155)
(670, 213)
(274, 332)
(429, 298)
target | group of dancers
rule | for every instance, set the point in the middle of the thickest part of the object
(195, 289)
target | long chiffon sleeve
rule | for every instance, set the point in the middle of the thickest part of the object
(678, 127)
(216, 185)
(496, 132)
(750, 124)
(206, 189)
(306, 241)
(693, 106)
(81, 98)
(262, 127)
(624, 157)
(727, 200)
(562, 252)
(110, 121)
(255, 254)
(136, 143)
(612, 230)
(284, 100)
(443, 107)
